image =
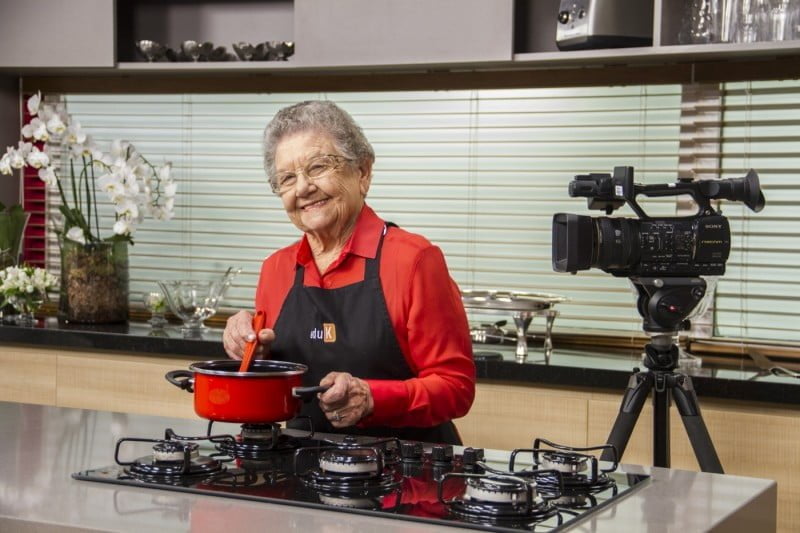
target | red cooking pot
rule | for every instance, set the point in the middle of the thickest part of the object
(269, 392)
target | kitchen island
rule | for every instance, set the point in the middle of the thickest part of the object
(572, 400)
(43, 446)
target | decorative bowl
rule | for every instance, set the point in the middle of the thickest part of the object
(151, 50)
(193, 301)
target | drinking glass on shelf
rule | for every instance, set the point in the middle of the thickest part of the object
(778, 20)
(156, 303)
(700, 22)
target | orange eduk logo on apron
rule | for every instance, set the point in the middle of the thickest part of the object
(328, 332)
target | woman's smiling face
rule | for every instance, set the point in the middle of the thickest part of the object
(325, 208)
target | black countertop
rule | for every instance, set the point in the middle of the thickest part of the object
(571, 368)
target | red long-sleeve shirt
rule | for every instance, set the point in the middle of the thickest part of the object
(424, 307)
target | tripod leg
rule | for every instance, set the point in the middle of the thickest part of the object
(686, 401)
(661, 403)
(632, 402)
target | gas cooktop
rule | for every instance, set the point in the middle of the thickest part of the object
(546, 487)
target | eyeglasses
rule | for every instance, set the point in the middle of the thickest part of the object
(317, 167)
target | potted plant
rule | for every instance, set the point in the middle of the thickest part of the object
(94, 269)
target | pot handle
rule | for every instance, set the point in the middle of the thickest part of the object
(183, 379)
(306, 393)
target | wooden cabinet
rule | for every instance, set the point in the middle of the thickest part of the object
(126, 383)
(757, 440)
(57, 33)
(28, 375)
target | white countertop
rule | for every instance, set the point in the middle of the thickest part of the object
(42, 446)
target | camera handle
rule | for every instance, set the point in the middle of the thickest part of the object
(664, 305)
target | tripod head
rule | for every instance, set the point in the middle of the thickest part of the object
(665, 305)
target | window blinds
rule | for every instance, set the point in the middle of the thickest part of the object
(758, 296)
(479, 173)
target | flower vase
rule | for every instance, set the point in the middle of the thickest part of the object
(12, 230)
(94, 282)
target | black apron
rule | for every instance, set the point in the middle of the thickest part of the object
(346, 330)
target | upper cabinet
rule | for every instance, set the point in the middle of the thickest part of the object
(402, 32)
(57, 33)
(219, 22)
(369, 36)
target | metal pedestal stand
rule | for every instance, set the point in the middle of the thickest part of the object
(522, 307)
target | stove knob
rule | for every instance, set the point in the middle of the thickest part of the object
(411, 451)
(442, 453)
(472, 456)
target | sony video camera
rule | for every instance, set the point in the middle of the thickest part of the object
(696, 245)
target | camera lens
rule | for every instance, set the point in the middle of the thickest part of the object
(581, 242)
(616, 243)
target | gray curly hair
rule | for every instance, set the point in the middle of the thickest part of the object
(316, 115)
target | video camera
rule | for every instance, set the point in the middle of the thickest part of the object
(696, 245)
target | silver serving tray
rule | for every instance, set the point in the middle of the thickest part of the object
(509, 300)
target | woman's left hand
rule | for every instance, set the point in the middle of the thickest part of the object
(347, 401)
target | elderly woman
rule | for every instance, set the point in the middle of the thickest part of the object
(369, 307)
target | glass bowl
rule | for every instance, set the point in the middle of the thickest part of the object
(192, 301)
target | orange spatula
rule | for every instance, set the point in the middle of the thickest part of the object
(250, 348)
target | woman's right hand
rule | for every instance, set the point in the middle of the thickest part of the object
(239, 331)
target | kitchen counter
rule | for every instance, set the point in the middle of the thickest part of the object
(43, 446)
(569, 368)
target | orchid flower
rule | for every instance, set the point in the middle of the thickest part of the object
(19, 155)
(56, 125)
(74, 135)
(122, 227)
(33, 103)
(37, 158)
(5, 162)
(36, 129)
(48, 175)
(75, 233)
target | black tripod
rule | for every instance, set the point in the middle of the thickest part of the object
(664, 303)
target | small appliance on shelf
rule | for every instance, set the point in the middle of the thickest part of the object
(585, 24)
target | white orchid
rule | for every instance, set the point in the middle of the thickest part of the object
(112, 185)
(33, 103)
(74, 135)
(37, 158)
(55, 125)
(75, 233)
(127, 209)
(36, 129)
(48, 176)
(18, 156)
(133, 185)
(122, 227)
(170, 190)
(5, 162)
(87, 148)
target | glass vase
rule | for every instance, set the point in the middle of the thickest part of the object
(94, 282)
(25, 306)
(12, 230)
